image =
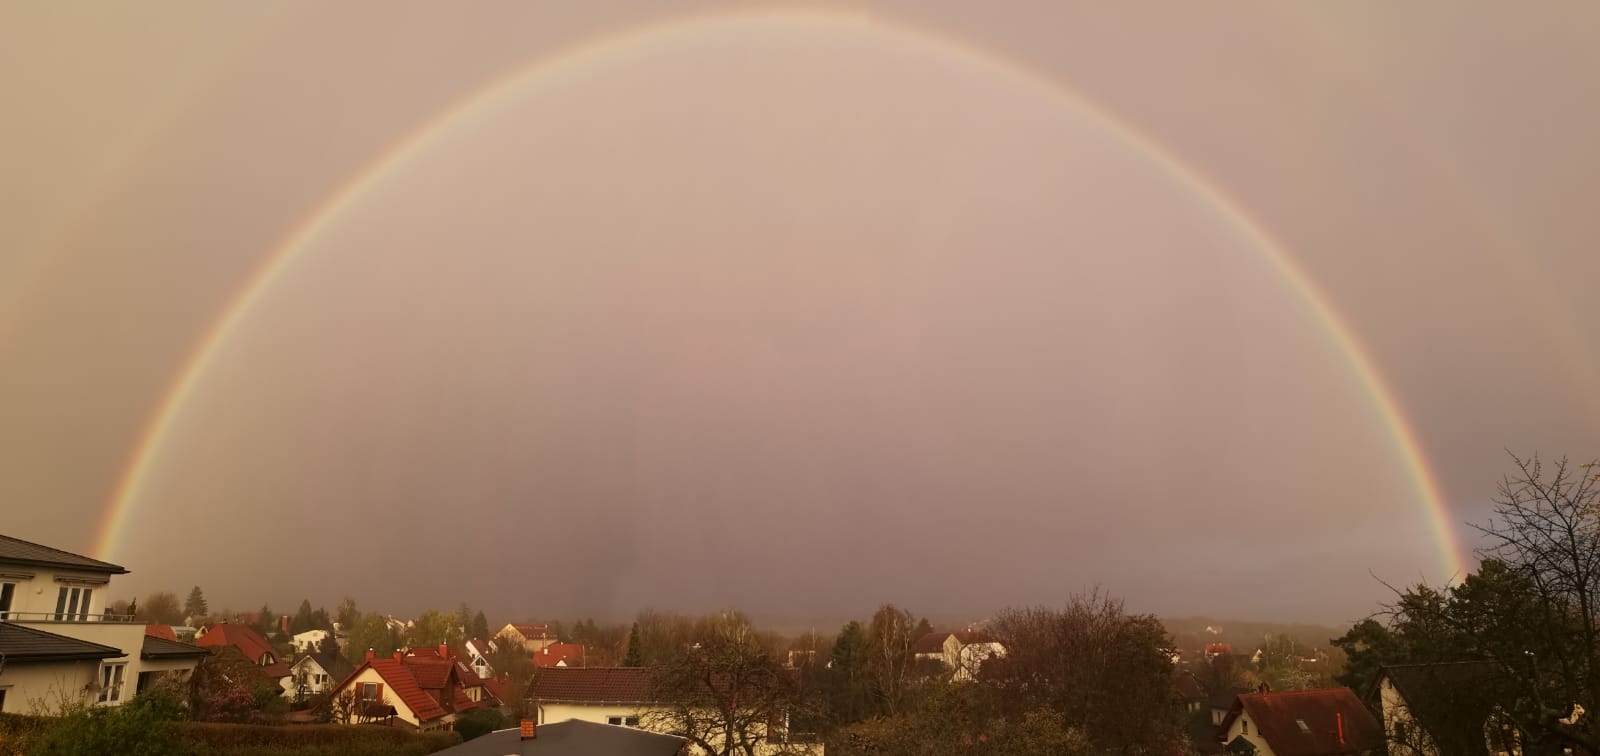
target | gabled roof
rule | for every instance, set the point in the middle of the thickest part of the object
(161, 631)
(18, 551)
(431, 674)
(402, 685)
(333, 664)
(161, 648)
(555, 653)
(1323, 722)
(249, 642)
(969, 637)
(21, 643)
(571, 738)
(932, 643)
(591, 685)
(1451, 700)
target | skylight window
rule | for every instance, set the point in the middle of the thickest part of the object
(1303, 727)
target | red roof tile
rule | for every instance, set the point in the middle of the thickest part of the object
(160, 631)
(405, 687)
(431, 674)
(1324, 722)
(243, 637)
(591, 684)
(552, 655)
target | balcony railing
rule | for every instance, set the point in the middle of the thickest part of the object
(120, 619)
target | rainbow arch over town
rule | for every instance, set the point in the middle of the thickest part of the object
(481, 103)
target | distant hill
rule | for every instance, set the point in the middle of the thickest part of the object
(1244, 635)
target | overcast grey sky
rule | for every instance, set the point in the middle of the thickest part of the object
(792, 308)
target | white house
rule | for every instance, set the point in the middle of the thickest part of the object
(57, 642)
(308, 641)
(610, 695)
(962, 653)
(314, 673)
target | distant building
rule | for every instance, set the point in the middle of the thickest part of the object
(531, 635)
(962, 653)
(316, 672)
(561, 655)
(252, 644)
(308, 641)
(422, 692)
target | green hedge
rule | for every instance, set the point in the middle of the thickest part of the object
(19, 733)
(311, 740)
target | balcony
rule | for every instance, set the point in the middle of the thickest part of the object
(62, 618)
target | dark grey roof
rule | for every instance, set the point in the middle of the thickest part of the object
(20, 643)
(161, 648)
(571, 738)
(1452, 700)
(18, 551)
(334, 664)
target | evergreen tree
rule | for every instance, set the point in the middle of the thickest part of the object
(196, 605)
(635, 657)
(480, 626)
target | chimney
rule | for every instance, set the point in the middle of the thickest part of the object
(370, 654)
(528, 730)
(399, 656)
(1339, 717)
(444, 650)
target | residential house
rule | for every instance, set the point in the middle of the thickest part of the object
(477, 652)
(606, 695)
(476, 687)
(418, 691)
(1446, 708)
(1323, 722)
(962, 653)
(570, 738)
(532, 635)
(252, 644)
(308, 641)
(316, 672)
(57, 642)
(561, 655)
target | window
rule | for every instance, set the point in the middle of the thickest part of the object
(111, 682)
(2, 699)
(7, 590)
(623, 721)
(1303, 727)
(1244, 727)
(72, 604)
(369, 691)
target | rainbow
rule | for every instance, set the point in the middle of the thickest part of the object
(135, 474)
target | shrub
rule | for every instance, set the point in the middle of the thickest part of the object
(311, 740)
(479, 722)
(134, 729)
(20, 733)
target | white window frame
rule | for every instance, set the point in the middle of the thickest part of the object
(112, 678)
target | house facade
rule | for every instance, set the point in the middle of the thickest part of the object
(612, 696)
(961, 653)
(57, 639)
(531, 635)
(252, 644)
(425, 693)
(1445, 708)
(316, 672)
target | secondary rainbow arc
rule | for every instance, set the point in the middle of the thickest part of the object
(135, 474)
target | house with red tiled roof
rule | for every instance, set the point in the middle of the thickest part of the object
(424, 691)
(252, 644)
(474, 686)
(561, 655)
(1322, 722)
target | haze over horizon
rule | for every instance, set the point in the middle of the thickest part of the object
(794, 309)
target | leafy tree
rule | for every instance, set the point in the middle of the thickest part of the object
(304, 618)
(433, 628)
(479, 722)
(725, 695)
(635, 657)
(369, 632)
(195, 606)
(845, 682)
(889, 641)
(1105, 672)
(265, 622)
(347, 615)
(1532, 610)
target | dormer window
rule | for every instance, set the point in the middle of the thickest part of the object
(1304, 728)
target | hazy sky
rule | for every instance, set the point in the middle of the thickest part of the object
(792, 308)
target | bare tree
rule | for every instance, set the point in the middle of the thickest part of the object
(889, 659)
